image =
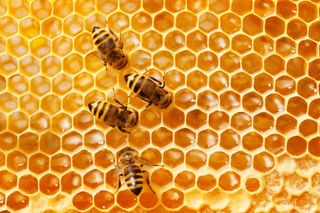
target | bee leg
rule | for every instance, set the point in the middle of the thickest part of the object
(147, 180)
(120, 42)
(161, 84)
(149, 104)
(123, 130)
(119, 183)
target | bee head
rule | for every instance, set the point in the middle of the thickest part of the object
(125, 151)
(95, 28)
(132, 119)
(165, 101)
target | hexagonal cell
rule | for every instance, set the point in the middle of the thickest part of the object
(29, 27)
(172, 198)
(218, 6)
(49, 184)
(107, 6)
(275, 143)
(252, 184)
(104, 200)
(84, 7)
(83, 43)
(241, 43)
(70, 182)
(60, 162)
(274, 64)
(229, 100)
(17, 161)
(28, 184)
(40, 85)
(185, 98)
(207, 138)
(161, 137)
(163, 21)
(296, 146)
(274, 26)
(140, 59)
(184, 137)
(219, 120)
(230, 62)
(29, 142)
(18, 84)
(62, 8)
(308, 127)
(152, 6)
(93, 178)
(286, 123)
(73, 25)
(241, 160)
(20, 126)
(241, 121)
(8, 180)
(218, 41)
(128, 6)
(139, 138)
(196, 158)
(252, 141)
(173, 157)
(230, 23)
(83, 120)
(40, 47)
(241, 7)
(49, 143)
(141, 21)
(62, 84)
(185, 60)
(252, 63)
(296, 29)
(8, 64)
(38, 163)
(286, 9)
(229, 139)
(219, 80)
(307, 87)
(314, 31)
(51, 104)
(17, 46)
(8, 26)
(83, 81)
(252, 101)
(8, 140)
(73, 63)
(175, 5)
(29, 65)
(71, 141)
(263, 45)
(285, 46)
(72, 102)
(263, 82)
(263, 162)
(19, 9)
(206, 182)
(152, 155)
(196, 80)
(8, 102)
(230, 181)
(186, 21)
(161, 177)
(104, 158)
(307, 49)
(51, 27)
(263, 121)
(285, 85)
(207, 61)
(174, 40)
(207, 100)
(208, 22)
(115, 138)
(296, 67)
(314, 68)
(297, 106)
(275, 103)
(313, 147)
(82, 200)
(16, 200)
(94, 139)
(50, 66)
(150, 117)
(252, 25)
(196, 41)
(185, 180)
(264, 8)
(241, 82)
(152, 40)
(163, 60)
(41, 9)
(307, 11)
(82, 159)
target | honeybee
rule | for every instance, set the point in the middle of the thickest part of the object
(149, 89)
(121, 116)
(110, 48)
(129, 166)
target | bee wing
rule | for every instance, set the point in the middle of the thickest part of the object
(98, 54)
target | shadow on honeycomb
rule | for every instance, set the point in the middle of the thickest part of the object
(241, 136)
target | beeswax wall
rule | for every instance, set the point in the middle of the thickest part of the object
(242, 134)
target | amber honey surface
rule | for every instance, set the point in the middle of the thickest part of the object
(241, 136)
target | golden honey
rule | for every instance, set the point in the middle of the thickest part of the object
(240, 136)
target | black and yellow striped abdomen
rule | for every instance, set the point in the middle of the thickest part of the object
(103, 40)
(134, 178)
(104, 111)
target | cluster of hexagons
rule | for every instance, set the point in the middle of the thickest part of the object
(245, 77)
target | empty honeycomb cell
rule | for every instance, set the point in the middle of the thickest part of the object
(286, 123)
(252, 141)
(296, 67)
(18, 122)
(296, 29)
(18, 84)
(184, 137)
(83, 43)
(62, 45)
(185, 180)
(263, 82)
(252, 63)
(252, 24)
(38, 163)
(140, 59)
(115, 138)
(229, 139)
(207, 100)
(285, 85)
(241, 43)
(208, 22)
(72, 102)
(219, 120)
(196, 80)
(297, 106)
(29, 142)
(8, 26)
(82, 200)
(218, 41)
(185, 98)
(62, 8)
(51, 27)
(263, 122)
(314, 146)
(241, 160)
(173, 157)
(230, 23)
(8, 64)
(307, 11)
(93, 178)
(307, 49)
(207, 138)
(70, 182)
(84, 7)
(60, 162)
(83, 120)
(152, 40)
(28, 184)
(8, 140)
(229, 181)
(40, 47)
(308, 127)
(161, 137)
(263, 162)
(29, 27)
(275, 103)
(8, 180)
(229, 100)
(314, 31)
(196, 158)
(82, 160)
(71, 141)
(50, 66)
(9, 102)
(104, 199)
(296, 146)
(186, 21)
(40, 122)
(139, 138)
(230, 62)
(252, 184)
(17, 46)
(196, 41)
(264, 45)
(29, 66)
(307, 87)
(185, 60)
(314, 109)
(73, 25)
(16, 200)
(196, 119)
(172, 198)
(241, 121)
(49, 142)
(17, 161)
(83, 81)
(19, 9)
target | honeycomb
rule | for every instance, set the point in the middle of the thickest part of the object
(241, 136)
